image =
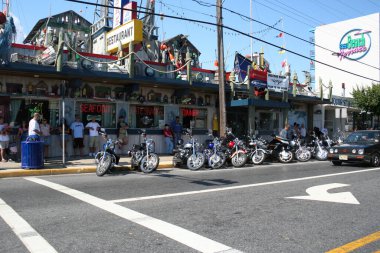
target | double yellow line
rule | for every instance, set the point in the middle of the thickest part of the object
(357, 244)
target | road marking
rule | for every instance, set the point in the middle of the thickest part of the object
(357, 244)
(174, 232)
(320, 193)
(32, 240)
(239, 186)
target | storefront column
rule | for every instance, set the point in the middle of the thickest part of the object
(310, 116)
(251, 119)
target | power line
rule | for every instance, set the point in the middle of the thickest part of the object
(292, 35)
(240, 32)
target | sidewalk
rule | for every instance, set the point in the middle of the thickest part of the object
(73, 166)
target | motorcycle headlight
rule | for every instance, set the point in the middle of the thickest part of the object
(354, 151)
(336, 150)
(331, 150)
(361, 151)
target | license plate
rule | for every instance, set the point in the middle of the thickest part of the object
(343, 157)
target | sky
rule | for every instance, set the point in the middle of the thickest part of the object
(296, 17)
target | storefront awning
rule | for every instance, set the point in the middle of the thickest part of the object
(258, 103)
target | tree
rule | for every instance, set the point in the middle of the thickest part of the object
(368, 99)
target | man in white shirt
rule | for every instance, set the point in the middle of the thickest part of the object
(93, 127)
(303, 131)
(77, 128)
(34, 126)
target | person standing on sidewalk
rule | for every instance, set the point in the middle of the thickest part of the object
(94, 128)
(4, 139)
(177, 130)
(34, 129)
(122, 133)
(77, 129)
(46, 138)
(168, 134)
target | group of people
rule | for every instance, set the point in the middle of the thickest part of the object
(37, 129)
(297, 131)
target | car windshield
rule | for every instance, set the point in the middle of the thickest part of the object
(360, 137)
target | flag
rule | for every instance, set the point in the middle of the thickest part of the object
(282, 50)
(283, 63)
(280, 35)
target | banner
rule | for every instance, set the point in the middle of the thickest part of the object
(277, 83)
(241, 64)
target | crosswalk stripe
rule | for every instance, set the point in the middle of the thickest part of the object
(32, 240)
(174, 232)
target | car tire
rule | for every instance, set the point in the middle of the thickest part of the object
(337, 163)
(375, 160)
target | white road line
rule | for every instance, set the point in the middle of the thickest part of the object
(32, 240)
(174, 232)
(238, 187)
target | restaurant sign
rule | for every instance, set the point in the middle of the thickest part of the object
(127, 33)
(354, 44)
(277, 83)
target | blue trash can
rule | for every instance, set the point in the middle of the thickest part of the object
(32, 153)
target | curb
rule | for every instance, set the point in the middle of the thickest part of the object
(59, 171)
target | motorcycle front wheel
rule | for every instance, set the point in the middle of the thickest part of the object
(104, 165)
(196, 161)
(239, 160)
(258, 157)
(303, 155)
(216, 160)
(149, 163)
(285, 156)
(321, 154)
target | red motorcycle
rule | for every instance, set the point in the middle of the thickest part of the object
(235, 150)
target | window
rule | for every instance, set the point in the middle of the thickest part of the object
(147, 116)
(105, 114)
(194, 117)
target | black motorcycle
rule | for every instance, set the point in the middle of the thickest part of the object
(188, 153)
(256, 150)
(107, 158)
(279, 148)
(143, 156)
(235, 150)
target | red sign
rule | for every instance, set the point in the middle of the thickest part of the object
(95, 108)
(190, 112)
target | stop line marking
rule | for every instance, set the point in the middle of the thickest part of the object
(238, 186)
(174, 232)
(32, 240)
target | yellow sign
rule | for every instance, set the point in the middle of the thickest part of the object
(126, 33)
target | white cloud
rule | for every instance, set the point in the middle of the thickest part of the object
(20, 36)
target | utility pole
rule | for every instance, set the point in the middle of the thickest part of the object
(222, 100)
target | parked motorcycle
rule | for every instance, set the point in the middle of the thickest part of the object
(256, 150)
(317, 149)
(143, 156)
(107, 158)
(188, 153)
(213, 153)
(302, 152)
(279, 148)
(235, 151)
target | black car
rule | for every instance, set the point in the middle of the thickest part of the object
(359, 146)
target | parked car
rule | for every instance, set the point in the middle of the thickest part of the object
(360, 146)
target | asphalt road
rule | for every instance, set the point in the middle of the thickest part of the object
(226, 210)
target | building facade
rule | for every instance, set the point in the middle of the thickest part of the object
(352, 47)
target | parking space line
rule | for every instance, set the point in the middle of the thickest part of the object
(357, 244)
(32, 240)
(238, 186)
(174, 232)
